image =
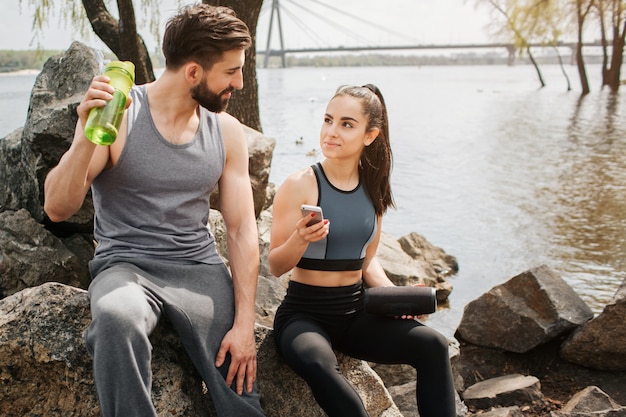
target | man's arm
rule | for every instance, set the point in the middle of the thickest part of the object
(66, 185)
(237, 208)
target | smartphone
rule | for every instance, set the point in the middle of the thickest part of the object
(307, 210)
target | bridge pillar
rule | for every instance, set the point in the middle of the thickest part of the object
(275, 10)
(511, 50)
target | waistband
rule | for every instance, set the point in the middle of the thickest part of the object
(325, 300)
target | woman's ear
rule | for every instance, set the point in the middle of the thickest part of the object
(371, 136)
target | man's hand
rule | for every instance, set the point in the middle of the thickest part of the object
(242, 351)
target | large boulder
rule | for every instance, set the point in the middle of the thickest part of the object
(48, 130)
(528, 310)
(601, 342)
(52, 116)
(45, 369)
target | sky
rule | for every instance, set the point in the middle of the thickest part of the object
(306, 23)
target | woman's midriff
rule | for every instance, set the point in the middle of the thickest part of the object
(326, 278)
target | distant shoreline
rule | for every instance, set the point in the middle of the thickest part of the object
(21, 72)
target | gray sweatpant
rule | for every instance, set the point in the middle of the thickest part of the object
(127, 301)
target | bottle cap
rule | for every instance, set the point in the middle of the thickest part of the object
(126, 68)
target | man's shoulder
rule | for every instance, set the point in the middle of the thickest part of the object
(230, 126)
(224, 117)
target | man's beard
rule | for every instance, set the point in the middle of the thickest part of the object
(208, 99)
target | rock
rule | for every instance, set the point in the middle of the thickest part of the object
(48, 132)
(589, 400)
(30, 255)
(45, 369)
(505, 391)
(264, 225)
(403, 269)
(270, 292)
(18, 180)
(404, 398)
(559, 378)
(417, 247)
(601, 342)
(261, 150)
(530, 309)
(513, 411)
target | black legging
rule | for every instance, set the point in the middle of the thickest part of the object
(312, 321)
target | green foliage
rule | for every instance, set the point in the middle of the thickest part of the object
(66, 13)
(70, 14)
(11, 60)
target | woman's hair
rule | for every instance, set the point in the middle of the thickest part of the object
(376, 159)
(202, 33)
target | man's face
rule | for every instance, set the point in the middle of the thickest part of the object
(214, 90)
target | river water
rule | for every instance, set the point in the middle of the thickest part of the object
(499, 173)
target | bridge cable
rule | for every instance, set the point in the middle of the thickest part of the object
(312, 34)
(359, 19)
(332, 24)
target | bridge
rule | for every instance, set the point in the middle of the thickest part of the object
(276, 9)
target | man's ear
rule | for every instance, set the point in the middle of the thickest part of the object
(193, 72)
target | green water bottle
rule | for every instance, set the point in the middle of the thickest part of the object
(104, 122)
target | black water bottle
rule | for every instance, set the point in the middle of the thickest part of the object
(400, 300)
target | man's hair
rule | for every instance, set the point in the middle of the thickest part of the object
(202, 33)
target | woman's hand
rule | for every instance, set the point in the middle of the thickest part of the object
(314, 232)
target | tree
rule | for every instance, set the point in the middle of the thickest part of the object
(615, 10)
(121, 37)
(544, 21)
(515, 20)
(245, 104)
(582, 10)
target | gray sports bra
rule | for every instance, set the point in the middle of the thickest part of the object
(353, 225)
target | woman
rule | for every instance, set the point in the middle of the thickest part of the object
(333, 260)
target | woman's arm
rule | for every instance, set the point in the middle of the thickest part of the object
(289, 234)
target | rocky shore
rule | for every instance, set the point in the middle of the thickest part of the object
(527, 347)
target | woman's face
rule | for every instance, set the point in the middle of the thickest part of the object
(343, 132)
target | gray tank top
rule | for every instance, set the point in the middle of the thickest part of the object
(353, 224)
(155, 201)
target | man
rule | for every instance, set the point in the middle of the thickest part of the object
(155, 254)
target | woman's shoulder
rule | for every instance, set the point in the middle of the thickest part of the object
(301, 182)
(301, 177)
